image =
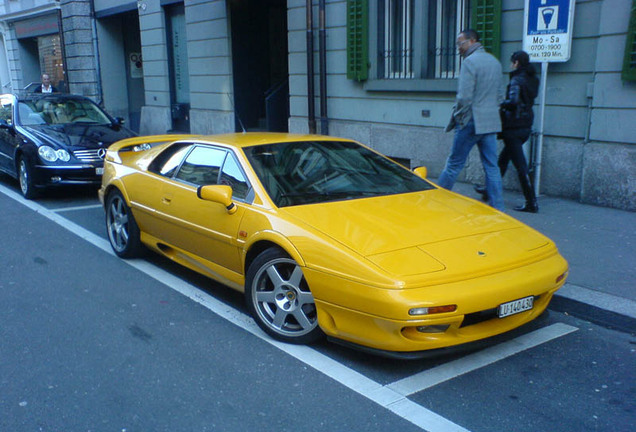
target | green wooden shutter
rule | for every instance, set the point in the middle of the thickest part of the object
(486, 19)
(629, 62)
(358, 39)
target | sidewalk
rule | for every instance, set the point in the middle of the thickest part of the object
(599, 243)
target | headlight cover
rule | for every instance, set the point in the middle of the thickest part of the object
(51, 155)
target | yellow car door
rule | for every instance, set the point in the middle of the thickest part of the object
(203, 228)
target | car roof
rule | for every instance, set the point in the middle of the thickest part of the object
(248, 139)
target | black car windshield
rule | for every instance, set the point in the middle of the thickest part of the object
(60, 110)
(296, 173)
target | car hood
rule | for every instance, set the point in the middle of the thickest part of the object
(72, 136)
(423, 232)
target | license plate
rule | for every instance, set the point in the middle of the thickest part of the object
(99, 171)
(515, 306)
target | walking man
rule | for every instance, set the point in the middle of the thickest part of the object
(475, 116)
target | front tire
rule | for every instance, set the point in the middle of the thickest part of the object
(123, 232)
(279, 298)
(25, 177)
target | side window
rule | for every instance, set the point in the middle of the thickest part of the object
(6, 110)
(169, 160)
(233, 176)
(28, 115)
(202, 166)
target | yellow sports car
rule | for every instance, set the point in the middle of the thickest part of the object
(328, 237)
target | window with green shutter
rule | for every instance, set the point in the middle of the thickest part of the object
(357, 39)
(486, 19)
(629, 63)
(409, 45)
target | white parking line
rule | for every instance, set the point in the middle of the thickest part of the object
(432, 377)
(383, 396)
(393, 397)
(86, 207)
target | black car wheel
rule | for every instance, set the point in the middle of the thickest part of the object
(279, 298)
(25, 176)
(123, 232)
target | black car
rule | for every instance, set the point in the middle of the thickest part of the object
(55, 139)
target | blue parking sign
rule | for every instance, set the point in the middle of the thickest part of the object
(548, 16)
(548, 24)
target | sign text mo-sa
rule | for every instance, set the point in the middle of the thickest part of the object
(547, 29)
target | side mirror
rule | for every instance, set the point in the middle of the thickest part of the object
(4, 124)
(221, 194)
(119, 121)
(421, 171)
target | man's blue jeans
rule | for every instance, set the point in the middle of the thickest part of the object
(464, 141)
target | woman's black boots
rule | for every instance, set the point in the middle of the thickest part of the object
(531, 205)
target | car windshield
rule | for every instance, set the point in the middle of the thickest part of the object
(295, 173)
(60, 110)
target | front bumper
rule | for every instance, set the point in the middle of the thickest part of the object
(378, 318)
(59, 175)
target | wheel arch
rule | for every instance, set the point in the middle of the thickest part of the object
(19, 154)
(27, 151)
(266, 240)
(116, 186)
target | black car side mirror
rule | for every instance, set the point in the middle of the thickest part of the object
(4, 124)
(119, 121)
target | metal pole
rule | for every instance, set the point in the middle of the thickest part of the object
(322, 34)
(539, 152)
(311, 110)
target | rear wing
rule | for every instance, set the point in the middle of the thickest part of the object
(121, 150)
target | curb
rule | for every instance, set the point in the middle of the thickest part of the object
(603, 309)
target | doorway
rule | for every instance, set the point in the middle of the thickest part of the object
(121, 66)
(259, 62)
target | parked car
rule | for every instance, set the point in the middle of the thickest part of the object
(326, 236)
(55, 139)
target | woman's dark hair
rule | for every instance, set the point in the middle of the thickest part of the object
(524, 61)
(521, 56)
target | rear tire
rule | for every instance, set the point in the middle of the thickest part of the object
(122, 229)
(279, 298)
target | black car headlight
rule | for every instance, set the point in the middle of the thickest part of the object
(51, 155)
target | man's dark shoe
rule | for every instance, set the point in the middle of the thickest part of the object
(528, 208)
(482, 190)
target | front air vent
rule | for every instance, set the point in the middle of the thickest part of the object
(92, 155)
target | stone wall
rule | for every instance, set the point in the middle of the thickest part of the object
(79, 46)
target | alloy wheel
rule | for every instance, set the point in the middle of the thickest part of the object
(282, 299)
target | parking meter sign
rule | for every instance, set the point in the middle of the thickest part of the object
(547, 32)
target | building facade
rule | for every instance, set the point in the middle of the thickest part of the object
(383, 72)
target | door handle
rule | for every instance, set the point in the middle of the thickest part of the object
(166, 200)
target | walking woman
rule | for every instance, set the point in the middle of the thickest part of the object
(517, 117)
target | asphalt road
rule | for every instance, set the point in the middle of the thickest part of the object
(90, 342)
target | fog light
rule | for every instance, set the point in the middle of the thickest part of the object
(433, 310)
(56, 179)
(433, 328)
